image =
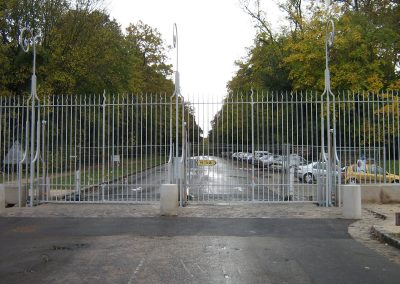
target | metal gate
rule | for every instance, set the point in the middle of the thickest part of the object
(259, 147)
(256, 143)
(100, 148)
(254, 146)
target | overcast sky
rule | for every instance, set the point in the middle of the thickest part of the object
(212, 35)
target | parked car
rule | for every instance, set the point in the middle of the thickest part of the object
(236, 155)
(239, 156)
(371, 173)
(247, 156)
(294, 161)
(310, 172)
(267, 160)
(258, 155)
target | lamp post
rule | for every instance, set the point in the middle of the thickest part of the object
(25, 42)
(330, 34)
(178, 164)
(177, 88)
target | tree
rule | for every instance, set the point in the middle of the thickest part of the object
(86, 55)
(147, 53)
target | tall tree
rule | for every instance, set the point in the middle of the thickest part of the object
(147, 53)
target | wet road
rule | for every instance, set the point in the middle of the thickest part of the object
(231, 180)
(226, 181)
(186, 250)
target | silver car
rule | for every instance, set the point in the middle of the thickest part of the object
(309, 173)
(267, 160)
(294, 161)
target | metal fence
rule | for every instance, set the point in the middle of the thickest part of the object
(267, 147)
(272, 147)
(89, 148)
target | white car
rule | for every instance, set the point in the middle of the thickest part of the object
(259, 154)
(236, 155)
(294, 161)
(267, 160)
(309, 173)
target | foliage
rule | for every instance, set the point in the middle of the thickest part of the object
(81, 51)
(85, 53)
(364, 56)
(364, 59)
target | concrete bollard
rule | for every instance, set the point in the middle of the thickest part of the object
(351, 201)
(169, 199)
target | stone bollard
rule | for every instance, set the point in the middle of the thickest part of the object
(351, 201)
(169, 200)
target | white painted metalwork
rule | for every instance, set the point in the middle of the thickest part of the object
(329, 133)
(25, 42)
(288, 130)
(117, 148)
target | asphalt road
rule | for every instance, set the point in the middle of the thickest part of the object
(226, 181)
(186, 250)
(232, 180)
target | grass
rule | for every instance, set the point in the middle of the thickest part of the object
(93, 175)
(392, 166)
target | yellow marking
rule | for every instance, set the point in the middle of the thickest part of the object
(206, 163)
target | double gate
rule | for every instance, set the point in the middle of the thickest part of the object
(258, 147)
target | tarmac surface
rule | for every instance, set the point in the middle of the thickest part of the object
(225, 243)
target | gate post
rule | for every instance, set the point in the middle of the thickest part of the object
(103, 145)
(25, 43)
(327, 92)
(252, 146)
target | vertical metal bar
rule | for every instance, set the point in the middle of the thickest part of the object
(137, 143)
(252, 147)
(127, 147)
(257, 134)
(48, 182)
(121, 128)
(32, 153)
(142, 143)
(146, 139)
(85, 176)
(103, 145)
(151, 138)
(392, 130)
(118, 147)
(112, 182)
(182, 176)
(2, 134)
(398, 130)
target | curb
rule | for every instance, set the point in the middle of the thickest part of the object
(384, 236)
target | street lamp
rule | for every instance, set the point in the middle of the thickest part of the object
(331, 133)
(29, 37)
(175, 41)
(25, 42)
(177, 88)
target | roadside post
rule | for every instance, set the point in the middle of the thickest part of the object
(171, 193)
(351, 201)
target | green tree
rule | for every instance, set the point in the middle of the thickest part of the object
(147, 56)
(86, 55)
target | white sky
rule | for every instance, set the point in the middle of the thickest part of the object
(212, 34)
